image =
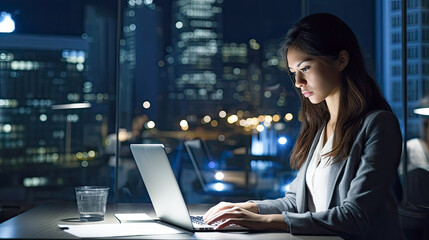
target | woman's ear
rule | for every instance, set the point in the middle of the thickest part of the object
(343, 60)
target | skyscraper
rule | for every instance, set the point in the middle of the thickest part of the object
(196, 86)
(417, 57)
(42, 84)
(139, 73)
(239, 89)
(45, 115)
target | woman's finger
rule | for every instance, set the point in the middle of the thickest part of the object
(226, 214)
(214, 210)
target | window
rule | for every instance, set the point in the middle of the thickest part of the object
(396, 70)
(396, 54)
(425, 4)
(412, 36)
(396, 21)
(57, 100)
(412, 3)
(425, 18)
(425, 68)
(396, 37)
(413, 94)
(412, 69)
(187, 68)
(396, 91)
(396, 5)
(425, 51)
(412, 19)
(425, 88)
(412, 52)
(425, 34)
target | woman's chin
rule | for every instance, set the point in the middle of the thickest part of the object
(314, 100)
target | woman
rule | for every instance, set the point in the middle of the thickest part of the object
(347, 151)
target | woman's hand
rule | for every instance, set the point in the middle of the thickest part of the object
(243, 214)
(250, 206)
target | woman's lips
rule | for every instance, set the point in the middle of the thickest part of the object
(307, 93)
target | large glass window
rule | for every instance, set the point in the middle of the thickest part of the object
(209, 74)
(203, 77)
(57, 98)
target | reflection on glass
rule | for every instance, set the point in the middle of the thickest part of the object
(185, 80)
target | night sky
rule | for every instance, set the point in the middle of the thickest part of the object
(243, 19)
(51, 17)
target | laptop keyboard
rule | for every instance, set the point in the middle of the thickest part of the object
(199, 220)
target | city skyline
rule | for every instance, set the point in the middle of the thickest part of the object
(206, 69)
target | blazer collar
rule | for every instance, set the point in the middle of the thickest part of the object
(302, 191)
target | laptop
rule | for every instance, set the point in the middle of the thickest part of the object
(234, 181)
(199, 157)
(164, 191)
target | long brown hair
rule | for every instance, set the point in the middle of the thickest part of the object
(323, 36)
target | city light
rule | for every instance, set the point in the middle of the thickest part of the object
(7, 128)
(179, 25)
(150, 124)
(219, 186)
(71, 106)
(91, 153)
(123, 135)
(288, 117)
(146, 104)
(243, 122)
(79, 155)
(183, 123)
(221, 138)
(212, 164)
(255, 121)
(219, 175)
(35, 181)
(267, 124)
(254, 45)
(222, 114)
(80, 67)
(268, 118)
(7, 25)
(279, 126)
(282, 140)
(232, 119)
(276, 118)
(260, 128)
(267, 94)
(99, 117)
(214, 123)
(207, 119)
(84, 163)
(43, 117)
(422, 111)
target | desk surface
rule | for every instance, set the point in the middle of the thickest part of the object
(42, 221)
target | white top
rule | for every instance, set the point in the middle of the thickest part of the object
(317, 175)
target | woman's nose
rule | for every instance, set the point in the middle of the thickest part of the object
(299, 80)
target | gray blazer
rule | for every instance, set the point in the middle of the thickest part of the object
(362, 204)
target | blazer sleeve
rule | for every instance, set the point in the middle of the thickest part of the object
(277, 206)
(379, 159)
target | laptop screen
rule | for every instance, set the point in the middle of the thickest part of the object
(201, 159)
